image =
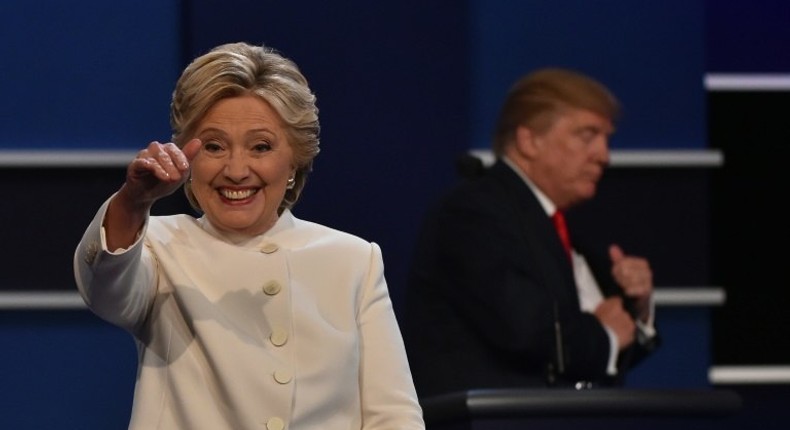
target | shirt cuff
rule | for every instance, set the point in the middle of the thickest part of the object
(647, 330)
(611, 366)
(118, 251)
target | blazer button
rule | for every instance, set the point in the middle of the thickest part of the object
(271, 288)
(283, 376)
(269, 248)
(275, 423)
(278, 337)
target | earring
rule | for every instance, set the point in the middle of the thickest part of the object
(291, 183)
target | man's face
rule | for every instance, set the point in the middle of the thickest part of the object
(570, 156)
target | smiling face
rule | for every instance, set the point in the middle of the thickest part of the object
(240, 174)
(567, 160)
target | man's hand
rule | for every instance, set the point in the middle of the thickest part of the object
(610, 312)
(634, 276)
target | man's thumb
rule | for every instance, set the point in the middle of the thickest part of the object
(616, 253)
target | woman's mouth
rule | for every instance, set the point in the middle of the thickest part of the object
(237, 194)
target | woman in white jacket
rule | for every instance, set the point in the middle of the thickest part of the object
(246, 317)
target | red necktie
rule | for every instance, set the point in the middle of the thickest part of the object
(562, 231)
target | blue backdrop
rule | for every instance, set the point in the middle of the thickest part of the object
(403, 87)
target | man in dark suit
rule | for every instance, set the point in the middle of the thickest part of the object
(494, 299)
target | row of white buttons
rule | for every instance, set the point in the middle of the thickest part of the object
(278, 337)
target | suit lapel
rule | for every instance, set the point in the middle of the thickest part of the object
(538, 231)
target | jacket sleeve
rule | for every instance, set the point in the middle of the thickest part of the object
(388, 396)
(116, 286)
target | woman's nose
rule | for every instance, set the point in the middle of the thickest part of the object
(237, 168)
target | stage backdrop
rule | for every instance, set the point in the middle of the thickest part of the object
(403, 87)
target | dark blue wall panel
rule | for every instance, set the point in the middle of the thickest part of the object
(87, 73)
(748, 36)
(64, 370)
(651, 54)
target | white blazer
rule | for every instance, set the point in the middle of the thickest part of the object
(293, 329)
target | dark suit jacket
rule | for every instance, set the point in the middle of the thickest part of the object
(491, 289)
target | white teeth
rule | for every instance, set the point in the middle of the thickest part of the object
(236, 194)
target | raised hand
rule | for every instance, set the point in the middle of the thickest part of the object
(634, 276)
(155, 172)
(158, 170)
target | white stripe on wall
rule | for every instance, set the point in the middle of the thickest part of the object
(645, 157)
(38, 300)
(66, 158)
(753, 374)
(747, 82)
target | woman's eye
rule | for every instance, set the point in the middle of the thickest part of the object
(212, 147)
(262, 147)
